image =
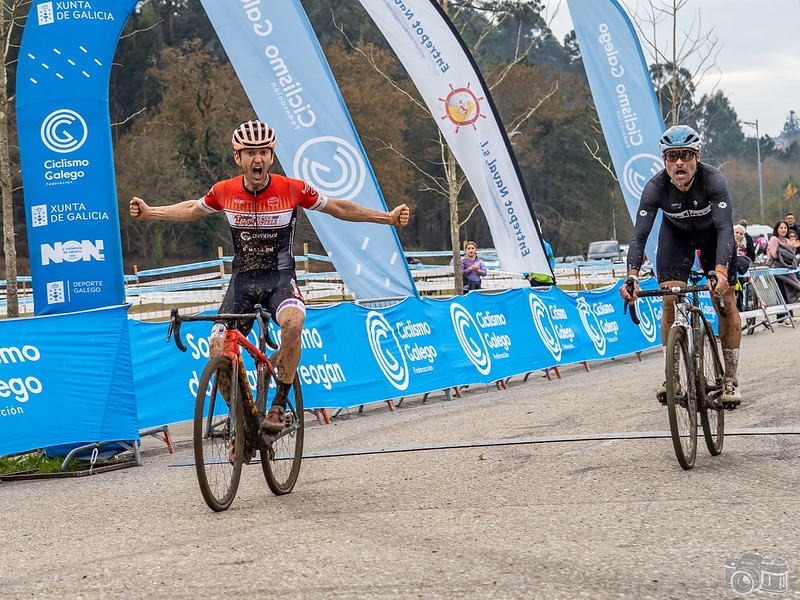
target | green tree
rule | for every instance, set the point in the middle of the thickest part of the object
(179, 149)
(720, 128)
(12, 17)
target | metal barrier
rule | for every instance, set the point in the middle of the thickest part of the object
(770, 298)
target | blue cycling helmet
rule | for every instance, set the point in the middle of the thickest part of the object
(680, 136)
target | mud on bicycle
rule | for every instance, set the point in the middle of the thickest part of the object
(694, 372)
(227, 415)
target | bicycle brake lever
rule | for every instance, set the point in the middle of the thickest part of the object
(172, 319)
(634, 316)
(712, 278)
(175, 329)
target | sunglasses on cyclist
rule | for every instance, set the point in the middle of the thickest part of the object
(685, 155)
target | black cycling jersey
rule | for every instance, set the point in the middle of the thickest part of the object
(700, 215)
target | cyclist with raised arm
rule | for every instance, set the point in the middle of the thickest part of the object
(261, 209)
(696, 207)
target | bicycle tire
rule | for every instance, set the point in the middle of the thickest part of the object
(709, 383)
(214, 434)
(682, 407)
(280, 460)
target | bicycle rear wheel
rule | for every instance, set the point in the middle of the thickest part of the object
(218, 451)
(280, 459)
(710, 387)
(681, 398)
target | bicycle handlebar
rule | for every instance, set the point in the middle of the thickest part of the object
(261, 316)
(674, 291)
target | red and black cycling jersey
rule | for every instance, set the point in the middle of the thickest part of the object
(262, 223)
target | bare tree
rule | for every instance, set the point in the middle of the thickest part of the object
(685, 57)
(453, 180)
(11, 16)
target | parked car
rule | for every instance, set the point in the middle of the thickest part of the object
(604, 250)
(572, 258)
(756, 231)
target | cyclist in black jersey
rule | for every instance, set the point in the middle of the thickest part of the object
(261, 209)
(696, 207)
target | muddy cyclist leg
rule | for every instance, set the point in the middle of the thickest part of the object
(291, 320)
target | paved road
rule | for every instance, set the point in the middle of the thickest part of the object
(576, 519)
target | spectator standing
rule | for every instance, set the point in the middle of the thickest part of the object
(780, 255)
(543, 279)
(743, 261)
(750, 248)
(472, 268)
(792, 237)
(791, 225)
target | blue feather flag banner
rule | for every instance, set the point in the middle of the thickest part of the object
(282, 68)
(624, 96)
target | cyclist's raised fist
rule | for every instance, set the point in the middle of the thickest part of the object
(400, 215)
(138, 208)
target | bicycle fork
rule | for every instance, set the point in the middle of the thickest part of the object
(245, 396)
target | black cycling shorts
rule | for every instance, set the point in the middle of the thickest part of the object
(677, 251)
(270, 289)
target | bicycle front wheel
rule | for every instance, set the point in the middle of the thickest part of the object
(280, 459)
(709, 384)
(681, 398)
(218, 451)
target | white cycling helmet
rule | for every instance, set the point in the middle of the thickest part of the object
(253, 134)
(680, 136)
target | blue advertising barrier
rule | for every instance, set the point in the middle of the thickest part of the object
(354, 355)
(66, 379)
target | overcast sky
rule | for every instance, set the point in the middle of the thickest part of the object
(759, 60)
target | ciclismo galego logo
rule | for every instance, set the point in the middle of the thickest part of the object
(470, 338)
(544, 325)
(592, 326)
(64, 131)
(648, 319)
(638, 171)
(333, 166)
(386, 349)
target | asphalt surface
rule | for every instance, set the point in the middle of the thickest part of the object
(600, 518)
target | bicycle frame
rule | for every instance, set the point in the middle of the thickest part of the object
(233, 341)
(690, 317)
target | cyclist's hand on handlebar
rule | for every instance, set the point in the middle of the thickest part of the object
(400, 215)
(721, 281)
(629, 290)
(139, 208)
